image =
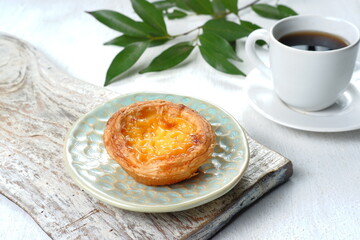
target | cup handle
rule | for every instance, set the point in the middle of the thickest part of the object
(259, 34)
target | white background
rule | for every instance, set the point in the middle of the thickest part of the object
(322, 199)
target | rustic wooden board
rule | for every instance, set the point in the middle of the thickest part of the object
(38, 105)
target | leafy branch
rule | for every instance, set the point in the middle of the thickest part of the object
(215, 39)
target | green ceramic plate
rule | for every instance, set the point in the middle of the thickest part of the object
(93, 170)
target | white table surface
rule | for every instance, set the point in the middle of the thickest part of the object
(321, 200)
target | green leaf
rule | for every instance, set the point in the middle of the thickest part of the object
(170, 57)
(286, 11)
(249, 26)
(233, 45)
(124, 60)
(266, 10)
(232, 5)
(181, 4)
(153, 32)
(228, 30)
(154, 43)
(200, 6)
(218, 7)
(150, 15)
(219, 62)
(219, 45)
(273, 12)
(121, 23)
(164, 5)
(176, 14)
(124, 40)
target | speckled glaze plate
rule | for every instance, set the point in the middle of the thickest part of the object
(94, 171)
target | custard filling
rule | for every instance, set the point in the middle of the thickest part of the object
(153, 135)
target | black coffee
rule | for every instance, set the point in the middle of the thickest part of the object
(313, 41)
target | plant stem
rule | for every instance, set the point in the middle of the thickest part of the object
(186, 33)
(161, 37)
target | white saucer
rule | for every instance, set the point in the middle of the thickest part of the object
(344, 115)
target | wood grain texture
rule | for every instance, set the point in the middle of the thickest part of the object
(38, 105)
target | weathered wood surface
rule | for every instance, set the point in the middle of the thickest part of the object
(38, 104)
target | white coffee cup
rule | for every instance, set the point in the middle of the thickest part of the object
(307, 80)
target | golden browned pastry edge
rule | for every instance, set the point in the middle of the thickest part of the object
(172, 170)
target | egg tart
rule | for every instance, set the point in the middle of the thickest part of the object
(159, 142)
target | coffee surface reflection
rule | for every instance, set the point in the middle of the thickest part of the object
(313, 41)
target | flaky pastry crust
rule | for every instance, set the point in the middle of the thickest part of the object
(159, 142)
